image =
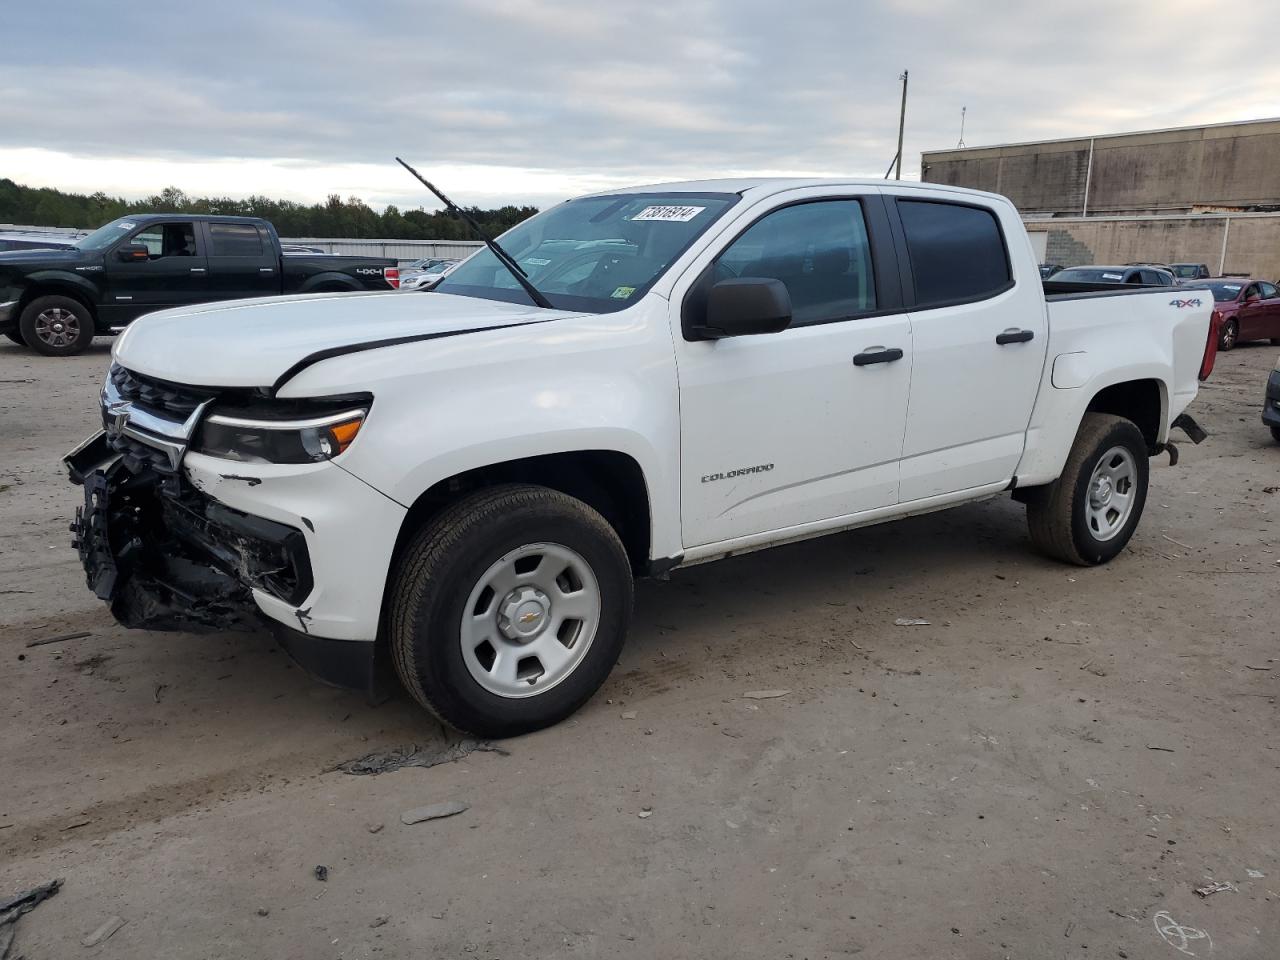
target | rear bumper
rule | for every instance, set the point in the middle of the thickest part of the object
(1271, 406)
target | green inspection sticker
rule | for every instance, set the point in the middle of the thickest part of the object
(621, 293)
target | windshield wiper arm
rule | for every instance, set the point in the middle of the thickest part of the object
(504, 258)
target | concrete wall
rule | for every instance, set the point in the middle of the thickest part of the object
(1252, 241)
(1231, 165)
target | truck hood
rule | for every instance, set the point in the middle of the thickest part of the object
(255, 343)
(51, 256)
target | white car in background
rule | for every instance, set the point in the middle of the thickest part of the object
(424, 272)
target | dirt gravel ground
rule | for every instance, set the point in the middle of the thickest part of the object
(1048, 769)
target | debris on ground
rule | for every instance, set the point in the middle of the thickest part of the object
(322, 873)
(1214, 886)
(105, 932)
(58, 639)
(384, 761)
(264, 912)
(628, 715)
(435, 811)
(764, 694)
(1162, 749)
(374, 827)
(1255, 874)
(14, 907)
(911, 622)
(378, 922)
(645, 813)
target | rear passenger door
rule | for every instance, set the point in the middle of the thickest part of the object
(1268, 327)
(242, 261)
(978, 341)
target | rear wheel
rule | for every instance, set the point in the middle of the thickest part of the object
(1230, 334)
(509, 610)
(56, 326)
(1089, 513)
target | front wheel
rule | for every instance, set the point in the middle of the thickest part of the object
(509, 610)
(56, 326)
(1089, 513)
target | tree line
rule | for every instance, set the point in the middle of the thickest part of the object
(352, 217)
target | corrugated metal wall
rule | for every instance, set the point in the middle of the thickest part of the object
(403, 250)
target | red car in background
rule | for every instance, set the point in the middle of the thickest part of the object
(1244, 309)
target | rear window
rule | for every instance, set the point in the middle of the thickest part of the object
(1091, 275)
(234, 240)
(957, 252)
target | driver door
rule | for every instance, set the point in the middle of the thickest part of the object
(795, 428)
(174, 274)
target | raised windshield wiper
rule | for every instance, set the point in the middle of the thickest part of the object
(504, 258)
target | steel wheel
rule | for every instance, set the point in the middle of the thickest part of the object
(56, 327)
(1111, 493)
(530, 620)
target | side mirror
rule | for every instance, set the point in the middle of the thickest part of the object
(132, 252)
(744, 306)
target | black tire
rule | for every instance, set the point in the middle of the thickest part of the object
(56, 326)
(16, 337)
(446, 561)
(1275, 434)
(1275, 341)
(1059, 514)
(1229, 336)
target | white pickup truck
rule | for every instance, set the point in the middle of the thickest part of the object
(464, 483)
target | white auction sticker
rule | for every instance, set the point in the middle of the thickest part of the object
(1113, 276)
(669, 214)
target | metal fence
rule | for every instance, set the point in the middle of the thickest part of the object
(402, 250)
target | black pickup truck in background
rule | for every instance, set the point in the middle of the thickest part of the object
(56, 301)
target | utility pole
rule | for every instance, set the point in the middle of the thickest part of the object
(902, 123)
(963, 111)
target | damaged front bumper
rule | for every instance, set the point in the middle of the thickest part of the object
(167, 557)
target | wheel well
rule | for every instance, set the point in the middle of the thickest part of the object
(57, 290)
(610, 482)
(1138, 400)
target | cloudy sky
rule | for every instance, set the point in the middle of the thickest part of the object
(535, 100)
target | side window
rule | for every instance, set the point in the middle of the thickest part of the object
(957, 252)
(234, 240)
(167, 240)
(1251, 292)
(819, 250)
(1268, 291)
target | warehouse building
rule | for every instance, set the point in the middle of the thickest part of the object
(1208, 194)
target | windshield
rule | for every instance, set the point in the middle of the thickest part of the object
(107, 234)
(1186, 271)
(597, 254)
(1222, 292)
(1089, 275)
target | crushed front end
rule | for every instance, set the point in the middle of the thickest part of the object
(164, 555)
(219, 509)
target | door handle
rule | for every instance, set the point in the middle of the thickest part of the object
(197, 270)
(877, 355)
(1014, 335)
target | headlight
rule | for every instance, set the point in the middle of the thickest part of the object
(253, 439)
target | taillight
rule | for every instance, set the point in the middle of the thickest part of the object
(392, 276)
(1211, 345)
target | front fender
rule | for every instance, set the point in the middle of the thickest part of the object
(40, 281)
(447, 406)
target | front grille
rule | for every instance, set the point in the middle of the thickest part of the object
(179, 401)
